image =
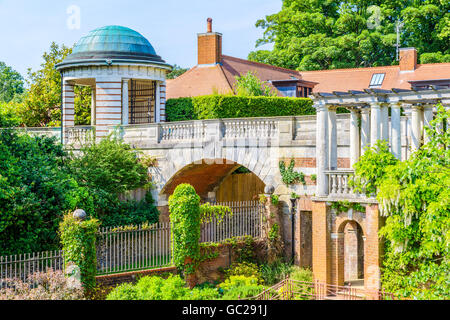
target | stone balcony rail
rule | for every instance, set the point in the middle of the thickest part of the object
(338, 182)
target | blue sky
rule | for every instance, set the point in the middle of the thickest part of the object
(28, 27)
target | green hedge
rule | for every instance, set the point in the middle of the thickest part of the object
(227, 106)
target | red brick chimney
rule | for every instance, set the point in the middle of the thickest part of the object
(209, 46)
(408, 59)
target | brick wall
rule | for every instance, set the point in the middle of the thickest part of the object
(209, 48)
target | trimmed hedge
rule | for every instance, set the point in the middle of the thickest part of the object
(228, 106)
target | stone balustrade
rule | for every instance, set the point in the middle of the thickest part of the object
(250, 128)
(338, 182)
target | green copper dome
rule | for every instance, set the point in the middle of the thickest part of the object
(112, 44)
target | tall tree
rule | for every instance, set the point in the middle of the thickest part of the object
(176, 72)
(43, 99)
(11, 83)
(330, 34)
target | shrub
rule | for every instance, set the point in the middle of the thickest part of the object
(184, 207)
(49, 285)
(125, 291)
(247, 269)
(203, 294)
(180, 109)
(78, 242)
(273, 273)
(228, 106)
(301, 274)
(238, 287)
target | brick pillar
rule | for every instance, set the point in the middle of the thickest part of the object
(337, 258)
(321, 242)
(372, 250)
(351, 251)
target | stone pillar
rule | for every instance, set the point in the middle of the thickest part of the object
(272, 228)
(322, 150)
(108, 105)
(384, 124)
(416, 132)
(125, 99)
(365, 128)
(375, 119)
(354, 137)
(372, 250)
(162, 101)
(332, 139)
(427, 118)
(157, 103)
(68, 106)
(321, 242)
(396, 141)
(93, 99)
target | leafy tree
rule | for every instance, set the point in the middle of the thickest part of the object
(108, 169)
(11, 83)
(43, 99)
(35, 191)
(176, 72)
(414, 195)
(330, 34)
(250, 85)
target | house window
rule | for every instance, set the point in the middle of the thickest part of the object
(377, 80)
(288, 91)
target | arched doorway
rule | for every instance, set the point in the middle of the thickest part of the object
(353, 254)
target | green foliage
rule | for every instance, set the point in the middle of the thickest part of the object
(288, 175)
(274, 232)
(274, 199)
(247, 269)
(240, 287)
(414, 196)
(344, 206)
(229, 106)
(42, 102)
(243, 248)
(11, 83)
(208, 211)
(372, 165)
(301, 274)
(273, 273)
(35, 191)
(314, 177)
(185, 220)
(158, 288)
(249, 85)
(180, 109)
(109, 168)
(316, 35)
(78, 242)
(176, 72)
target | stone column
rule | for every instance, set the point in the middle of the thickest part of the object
(332, 138)
(354, 136)
(68, 106)
(322, 150)
(396, 141)
(384, 124)
(427, 118)
(375, 119)
(365, 128)
(416, 132)
(125, 110)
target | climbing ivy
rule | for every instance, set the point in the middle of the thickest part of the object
(186, 217)
(78, 243)
(288, 175)
(274, 199)
(274, 232)
(344, 206)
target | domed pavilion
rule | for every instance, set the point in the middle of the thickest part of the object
(127, 77)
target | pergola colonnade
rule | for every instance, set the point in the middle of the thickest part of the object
(369, 122)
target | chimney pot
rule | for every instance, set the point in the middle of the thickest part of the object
(209, 25)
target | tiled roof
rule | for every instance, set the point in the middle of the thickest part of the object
(202, 80)
(359, 78)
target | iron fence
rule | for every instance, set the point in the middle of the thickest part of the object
(20, 266)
